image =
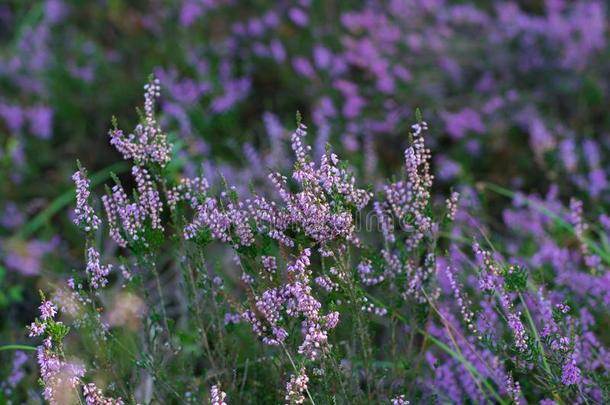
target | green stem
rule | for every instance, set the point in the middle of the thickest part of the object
(18, 347)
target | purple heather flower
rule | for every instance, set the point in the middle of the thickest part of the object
(41, 121)
(36, 329)
(97, 272)
(26, 257)
(452, 205)
(326, 283)
(231, 318)
(84, 215)
(570, 373)
(189, 13)
(149, 200)
(269, 263)
(598, 182)
(217, 396)
(277, 50)
(409, 198)
(17, 373)
(13, 116)
(541, 138)
(365, 271)
(148, 143)
(11, 217)
(461, 122)
(447, 169)
(400, 400)
(303, 67)
(48, 310)
(94, 396)
(235, 90)
(296, 387)
(298, 16)
(322, 56)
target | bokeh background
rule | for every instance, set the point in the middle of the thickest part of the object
(515, 92)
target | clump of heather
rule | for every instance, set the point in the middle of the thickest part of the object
(321, 289)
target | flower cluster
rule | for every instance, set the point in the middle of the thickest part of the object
(490, 280)
(188, 189)
(452, 205)
(84, 215)
(148, 143)
(399, 400)
(296, 387)
(295, 300)
(474, 327)
(59, 377)
(129, 221)
(407, 200)
(217, 396)
(97, 272)
(94, 396)
(321, 209)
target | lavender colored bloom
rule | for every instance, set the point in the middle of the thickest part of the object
(36, 329)
(149, 200)
(17, 372)
(12, 217)
(94, 396)
(298, 16)
(400, 400)
(127, 220)
(232, 318)
(461, 122)
(13, 116)
(365, 271)
(570, 373)
(148, 143)
(303, 67)
(407, 199)
(326, 283)
(217, 396)
(598, 182)
(55, 10)
(48, 310)
(97, 272)
(322, 56)
(296, 387)
(41, 121)
(452, 205)
(269, 263)
(461, 299)
(84, 215)
(58, 376)
(447, 169)
(235, 90)
(541, 138)
(277, 50)
(25, 257)
(568, 154)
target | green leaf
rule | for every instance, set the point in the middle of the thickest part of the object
(418, 116)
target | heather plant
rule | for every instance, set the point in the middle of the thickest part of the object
(361, 68)
(401, 276)
(320, 289)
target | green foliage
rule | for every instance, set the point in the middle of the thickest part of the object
(515, 278)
